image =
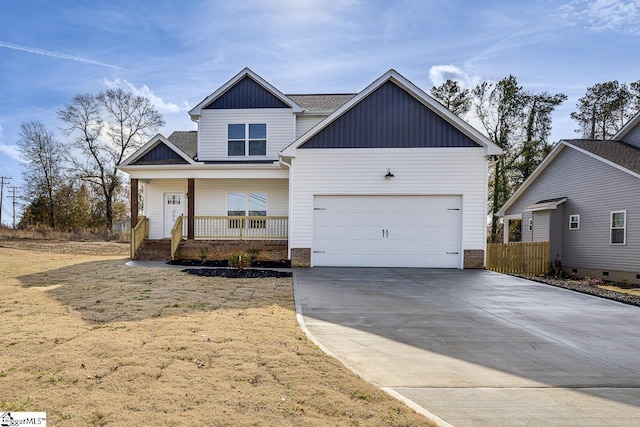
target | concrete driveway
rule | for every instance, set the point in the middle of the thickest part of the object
(479, 348)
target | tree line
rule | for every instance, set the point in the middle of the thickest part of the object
(519, 121)
(75, 184)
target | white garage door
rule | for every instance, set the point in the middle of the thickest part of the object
(387, 231)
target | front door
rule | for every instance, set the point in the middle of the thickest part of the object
(174, 205)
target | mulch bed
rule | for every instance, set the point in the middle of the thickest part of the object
(224, 263)
(585, 288)
(235, 273)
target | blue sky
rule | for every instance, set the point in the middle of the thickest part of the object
(178, 52)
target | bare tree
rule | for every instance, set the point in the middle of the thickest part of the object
(107, 127)
(44, 173)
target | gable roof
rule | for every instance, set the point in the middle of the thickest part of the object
(635, 120)
(617, 154)
(187, 141)
(417, 93)
(182, 156)
(196, 111)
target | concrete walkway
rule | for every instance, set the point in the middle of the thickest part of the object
(479, 348)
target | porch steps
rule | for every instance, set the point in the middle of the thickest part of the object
(154, 250)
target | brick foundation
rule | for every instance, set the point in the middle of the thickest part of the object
(300, 257)
(473, 259)
(218, 250)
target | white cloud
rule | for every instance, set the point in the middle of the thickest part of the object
(621, 16)
(439, 74)
(11, 151)
(166, 107)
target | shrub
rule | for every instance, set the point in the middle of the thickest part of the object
(239, 260)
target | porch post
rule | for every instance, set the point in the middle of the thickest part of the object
(191, 203)
(134, 202)
(505, 230)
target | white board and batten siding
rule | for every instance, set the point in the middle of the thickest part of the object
(212, 131)
(457, 172)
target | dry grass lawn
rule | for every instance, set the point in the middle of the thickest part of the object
(94, 342)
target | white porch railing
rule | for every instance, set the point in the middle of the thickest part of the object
(241, 227)
(231, 228)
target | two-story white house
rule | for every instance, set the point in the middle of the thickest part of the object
(384, 177)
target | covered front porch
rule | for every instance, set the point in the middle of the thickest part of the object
(195, 218)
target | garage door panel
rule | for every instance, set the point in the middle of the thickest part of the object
(407, 231)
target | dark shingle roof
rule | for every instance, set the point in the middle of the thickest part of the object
(321, 102)
(618, 152)
(187, 141)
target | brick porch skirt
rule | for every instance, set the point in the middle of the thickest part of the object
(218, 250)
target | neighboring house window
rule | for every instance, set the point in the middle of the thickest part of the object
(574, 222)
(530, 224)
(247, 204)
(618, 227)
(247, 139)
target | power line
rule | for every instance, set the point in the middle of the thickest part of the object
(2, 182)
(13, 196)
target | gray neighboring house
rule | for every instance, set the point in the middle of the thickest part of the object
(584, 199)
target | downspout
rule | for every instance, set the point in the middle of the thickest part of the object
(288, 166)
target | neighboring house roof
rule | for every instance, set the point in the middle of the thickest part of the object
(617, 154)
(544, 205)
(396, 78)
(196, 111)
(321, 102)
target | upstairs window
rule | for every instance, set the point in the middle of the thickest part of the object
(618, 235)
(574, 222)
(246, 139)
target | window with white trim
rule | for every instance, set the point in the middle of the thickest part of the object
(246, 139)
(618, 234)
(574, 222)
(247, 204)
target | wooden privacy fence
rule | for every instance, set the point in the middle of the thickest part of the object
(530, 258)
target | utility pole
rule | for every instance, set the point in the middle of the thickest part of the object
(13, 196)
(2, 182)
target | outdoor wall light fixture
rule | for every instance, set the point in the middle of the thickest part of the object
(389, 175)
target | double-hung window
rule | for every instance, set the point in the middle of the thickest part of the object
(618, 235)
(246, 139)
(574, 222)
(247, 204)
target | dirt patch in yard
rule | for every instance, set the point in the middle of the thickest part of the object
(94, 342)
